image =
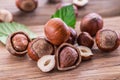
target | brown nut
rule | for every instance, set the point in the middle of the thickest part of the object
(86, 53)
(73, 36)
(60, 5)
(107, 40)
(85, 39)
(67, 57)
(91, 23)
(39, 47)
(27, 5)
(17, 43)
(56, 31)
(80, 3)
(5, 16)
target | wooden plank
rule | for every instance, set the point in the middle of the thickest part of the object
(103, 66)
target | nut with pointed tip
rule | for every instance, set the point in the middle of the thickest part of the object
(40, 47)
(46, 63)
(60, 5)
(5, 16)
(67, 56)
(91, 23)
(107, 40)
(85, 39)
(80, 3)
(27, 5)
(56, 31)
(86, 53)
(17, 43)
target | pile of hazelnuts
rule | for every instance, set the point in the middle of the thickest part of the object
(62, 46)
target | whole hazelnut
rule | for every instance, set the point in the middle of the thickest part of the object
(85, 39)
(39, 47)
(5, 16)
(91, 23)
(17, 43)
(27, 5)
(107, 40)
(56, 31)
(67, 56)
(60, 5)
(73, 36)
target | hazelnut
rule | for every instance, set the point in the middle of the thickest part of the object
(80, 3)
(86, 53)
(17, 43)
(27, 5)
(107, 40)
(91, 23)
(67, 57)
(5, 16)
(85, 39)
(56, 31)
(39, 47)
(60, 5)
(46, 63)
(73, 36)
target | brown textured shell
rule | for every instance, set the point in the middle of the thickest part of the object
(56, 31)
(58, 53)
(10, 47)
(98, 41)
(36, 50)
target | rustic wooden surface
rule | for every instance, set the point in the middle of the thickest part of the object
(103, 66)
(43, 12)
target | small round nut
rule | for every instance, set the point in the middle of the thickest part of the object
(27, 5)
(17, 43)
(5, 16)
(46, 63)
(107, 40)
(40, 47)
(91, 23)
(85, 39)
(86, 53)
(56, 31)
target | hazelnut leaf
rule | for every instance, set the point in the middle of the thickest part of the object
(8, 28)
(67, 14)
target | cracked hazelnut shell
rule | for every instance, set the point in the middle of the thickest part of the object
(67, 57)
(17, 43)
(56, 31)
(85, 39)
(107, 40)
(27, 5)
(40, 47)
(91, 23)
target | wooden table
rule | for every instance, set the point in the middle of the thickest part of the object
(103, 66)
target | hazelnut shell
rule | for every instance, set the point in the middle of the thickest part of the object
(58, 61)
(56, 31)
(10, 47)
(99, 36)
(24, 4)
(91, 23)
(39, 44)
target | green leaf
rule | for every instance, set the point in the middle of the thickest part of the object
(67, 14)
(9, 28)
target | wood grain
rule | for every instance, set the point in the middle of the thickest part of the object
(103, 66)
(43, 12)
